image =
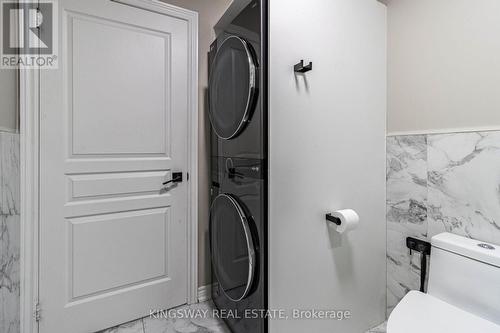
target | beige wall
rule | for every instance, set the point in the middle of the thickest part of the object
(443, 65)
(8, 100)
(209, 13)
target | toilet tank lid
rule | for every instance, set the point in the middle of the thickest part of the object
(468, 247)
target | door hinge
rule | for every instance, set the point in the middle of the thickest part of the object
(37, 313)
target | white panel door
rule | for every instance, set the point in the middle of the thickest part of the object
(113, 128)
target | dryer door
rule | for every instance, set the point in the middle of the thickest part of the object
(232, 87)
(232, 247)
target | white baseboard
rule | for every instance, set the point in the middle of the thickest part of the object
(204, 293)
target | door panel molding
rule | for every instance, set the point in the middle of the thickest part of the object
(29, 128)
(82, 264)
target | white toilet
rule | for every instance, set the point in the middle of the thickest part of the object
(463, 293)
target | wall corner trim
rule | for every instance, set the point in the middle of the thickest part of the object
(443, 131)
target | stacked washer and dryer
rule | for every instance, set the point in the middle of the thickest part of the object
(237, 100)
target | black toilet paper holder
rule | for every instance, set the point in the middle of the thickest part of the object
(333, 219)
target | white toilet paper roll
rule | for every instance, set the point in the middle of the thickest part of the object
(349, 220)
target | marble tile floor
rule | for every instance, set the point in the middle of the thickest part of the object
(171, 325)
(382, 328)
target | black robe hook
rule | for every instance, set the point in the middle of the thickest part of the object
(300, 68)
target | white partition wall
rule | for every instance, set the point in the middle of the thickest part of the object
(327, 152)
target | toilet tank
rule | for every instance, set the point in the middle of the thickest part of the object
(466, 273)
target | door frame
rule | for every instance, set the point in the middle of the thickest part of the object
(29, 106)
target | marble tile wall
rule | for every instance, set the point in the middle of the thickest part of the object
(406, 212)
(9, 233)
(437, 183)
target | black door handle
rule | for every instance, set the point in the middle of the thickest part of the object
(176, 178)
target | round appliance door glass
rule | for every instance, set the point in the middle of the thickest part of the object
(232, 247)
(232, 87)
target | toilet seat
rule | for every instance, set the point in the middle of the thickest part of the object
(418, 312)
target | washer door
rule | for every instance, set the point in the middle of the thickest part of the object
(232, 247)
(232, 87)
